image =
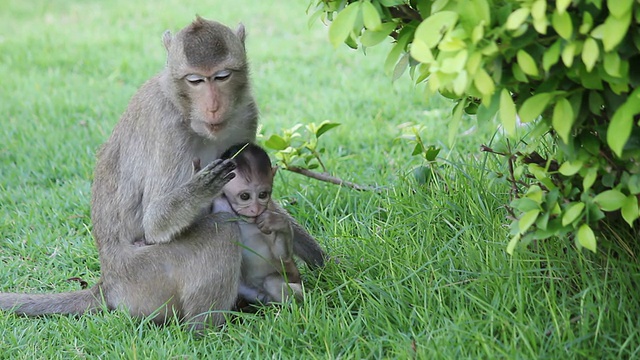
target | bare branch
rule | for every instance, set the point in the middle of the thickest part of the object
(327, 178)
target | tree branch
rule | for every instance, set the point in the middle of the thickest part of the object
(405, 12)
(327, 178)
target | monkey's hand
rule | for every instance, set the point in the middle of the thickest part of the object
(170, 214)
(210, 180)
(271, 221)
(282, 242)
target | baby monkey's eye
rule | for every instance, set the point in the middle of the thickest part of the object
(263, 195)
(194, 79)
(245, 196)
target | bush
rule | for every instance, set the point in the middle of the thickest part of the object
(563, 66)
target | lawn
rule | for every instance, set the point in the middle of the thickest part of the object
(421, 269)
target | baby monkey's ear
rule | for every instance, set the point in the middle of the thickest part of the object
(274, 169)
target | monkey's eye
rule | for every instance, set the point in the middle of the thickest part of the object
(245, 196)
(222, 75)
(263, 195)
(194, 79)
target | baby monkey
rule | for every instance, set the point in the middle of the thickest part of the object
(269, 273)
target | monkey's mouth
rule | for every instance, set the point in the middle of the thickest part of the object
(215, 127)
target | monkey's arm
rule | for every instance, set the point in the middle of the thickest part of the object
(274, 222)
(304, 245)
(170, 214)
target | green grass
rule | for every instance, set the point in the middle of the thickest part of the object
(422, 269)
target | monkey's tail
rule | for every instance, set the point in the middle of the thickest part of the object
(75, 302)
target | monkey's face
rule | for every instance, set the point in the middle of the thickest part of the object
(248, 198)
(212, 100)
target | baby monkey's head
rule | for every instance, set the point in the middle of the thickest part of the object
(249, 192)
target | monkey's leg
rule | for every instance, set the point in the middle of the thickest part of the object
(208, 261)
(280, 290)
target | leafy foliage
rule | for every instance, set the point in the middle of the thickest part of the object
(301, 154)
(295, 150)
(563, 66)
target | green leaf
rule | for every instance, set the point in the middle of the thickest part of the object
(527, 220)
(524, 204)
(541, 25)
(562, 24)
(568, 53)
(418, 149)
(477, 33)
(390, 3)
(276, 142)
(474, 12)
(539, 9)
(371, 38)
(456, 117)
(484, 83)
(543, 221)
(535, 193)
(589, 179)
(460, 83)
(422, 174)
(534, 106)
(590, 53)
(595, 102)
(612, 63)
(619, 129)
(610, 200)
(454, 64)
(570, 168)
(517, 18)
(400, 67)
(587, 23)
(394, 55)
(421, 52)
(431, 153)
(614, 30)
(563, 118)
(629, 210)
(562, 5)
(370, 16)
(513, 243)
(527, 64)
(343, 24)
(436, 5)
(586, 237)
(572, 213)
(551, 56)
(619, 8)
(507, 112)
(324, 127)
(634, 184)
(431, 30)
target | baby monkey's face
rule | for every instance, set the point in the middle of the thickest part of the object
(248, 197)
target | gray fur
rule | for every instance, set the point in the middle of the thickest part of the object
(161, 251)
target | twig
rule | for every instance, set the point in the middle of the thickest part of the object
(510, 158)
(405, 13)
(327, 178)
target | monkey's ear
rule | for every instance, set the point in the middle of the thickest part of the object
(240, 32)
(166, 39)
(274, 170)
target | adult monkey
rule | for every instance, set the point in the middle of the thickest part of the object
(144, 191)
